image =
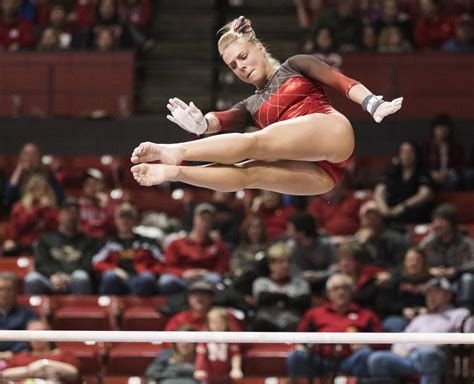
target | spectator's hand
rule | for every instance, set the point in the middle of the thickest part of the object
(382, 277)
(365, 234)
(447, 272)
(59, 281)
(387, 108)
(310, 276)
(409, 313)
(189, 117)
(121, 273)
(9, 245)
(200, 375)
(236, 374)
(397, 210)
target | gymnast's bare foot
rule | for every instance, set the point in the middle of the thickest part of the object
(166, 153)
(154, 174)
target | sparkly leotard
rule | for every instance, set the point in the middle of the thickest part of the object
(296, 89)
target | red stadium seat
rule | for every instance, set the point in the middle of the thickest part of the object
(20, 265)
(142, 319)
(130, 358)
(40, 304)
(90, 356)
(266, 360)
(464, 201)
(84, 313)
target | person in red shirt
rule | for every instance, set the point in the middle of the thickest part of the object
(218, 361)
(36, 213)
(43, 361)
(270, 208)
(340, 314)
(96, 217)
(200, 298)
(337, 212)
(433, 28)
(128, 263)
(303, 145)
(196, 256)
(15, 32)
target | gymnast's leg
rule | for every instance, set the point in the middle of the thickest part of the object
(307, 138)
(285, 176)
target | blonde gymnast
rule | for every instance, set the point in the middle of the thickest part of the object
(303, 145)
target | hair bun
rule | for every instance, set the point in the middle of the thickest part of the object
(243, 25)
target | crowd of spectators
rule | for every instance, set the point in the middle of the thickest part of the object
(385, 26)
(343, 261)
(58, 25)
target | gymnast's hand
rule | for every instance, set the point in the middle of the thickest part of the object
(189, 117)
(387, 108)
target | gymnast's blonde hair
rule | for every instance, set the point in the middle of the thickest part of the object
(240, 30)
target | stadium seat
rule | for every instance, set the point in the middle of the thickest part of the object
(464, 201)
(266, 360)
(130, 358)
(142, 319)
(84, 313)
(90, 356)
(40, 304)
(20, 265)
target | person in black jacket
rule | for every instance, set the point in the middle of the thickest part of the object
(280, 298)
(63, 258)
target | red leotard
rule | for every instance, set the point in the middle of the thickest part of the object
(294, 90)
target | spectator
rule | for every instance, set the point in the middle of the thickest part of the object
(269, 206)
(12, 316)
(392, 16)
(344, 22)
(63, 257)
(196, 256)
(402, 297)
(29, 163)
(325, 49)
(405, 191)
(228, 217)
(82, 15)
(128, 263)
(175, 365)
(35, 214)
(432, 28)
(391, 41)
(15, 32)
(43, 361)
(58, 21)
(366, 277)
(428, 361)
(247, 259)
(96, 219)
(337, 211)
(340, 314)
(104, 41)
(385, 247)
(463, 40)
(368, 39)
(49, 40)
(218, 362)
(450, 253)
(307, 10)
(200, 296)
(445, 156)
(136, 14)
(282, 297)
(108, 18)
(312, 254)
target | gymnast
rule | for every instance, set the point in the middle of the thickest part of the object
(303, 144)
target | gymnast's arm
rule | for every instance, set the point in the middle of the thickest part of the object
(235, 118)
(316, 70)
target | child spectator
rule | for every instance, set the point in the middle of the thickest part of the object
(58, 21)
(49, 41)
(218, 361)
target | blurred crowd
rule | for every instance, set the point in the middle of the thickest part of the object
(57, 25)
(350, 260)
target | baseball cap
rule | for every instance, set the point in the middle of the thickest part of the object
(204, 207)
(94, 173)
(439, 282)
(201, 286)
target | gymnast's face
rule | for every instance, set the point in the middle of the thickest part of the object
(248, 62)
